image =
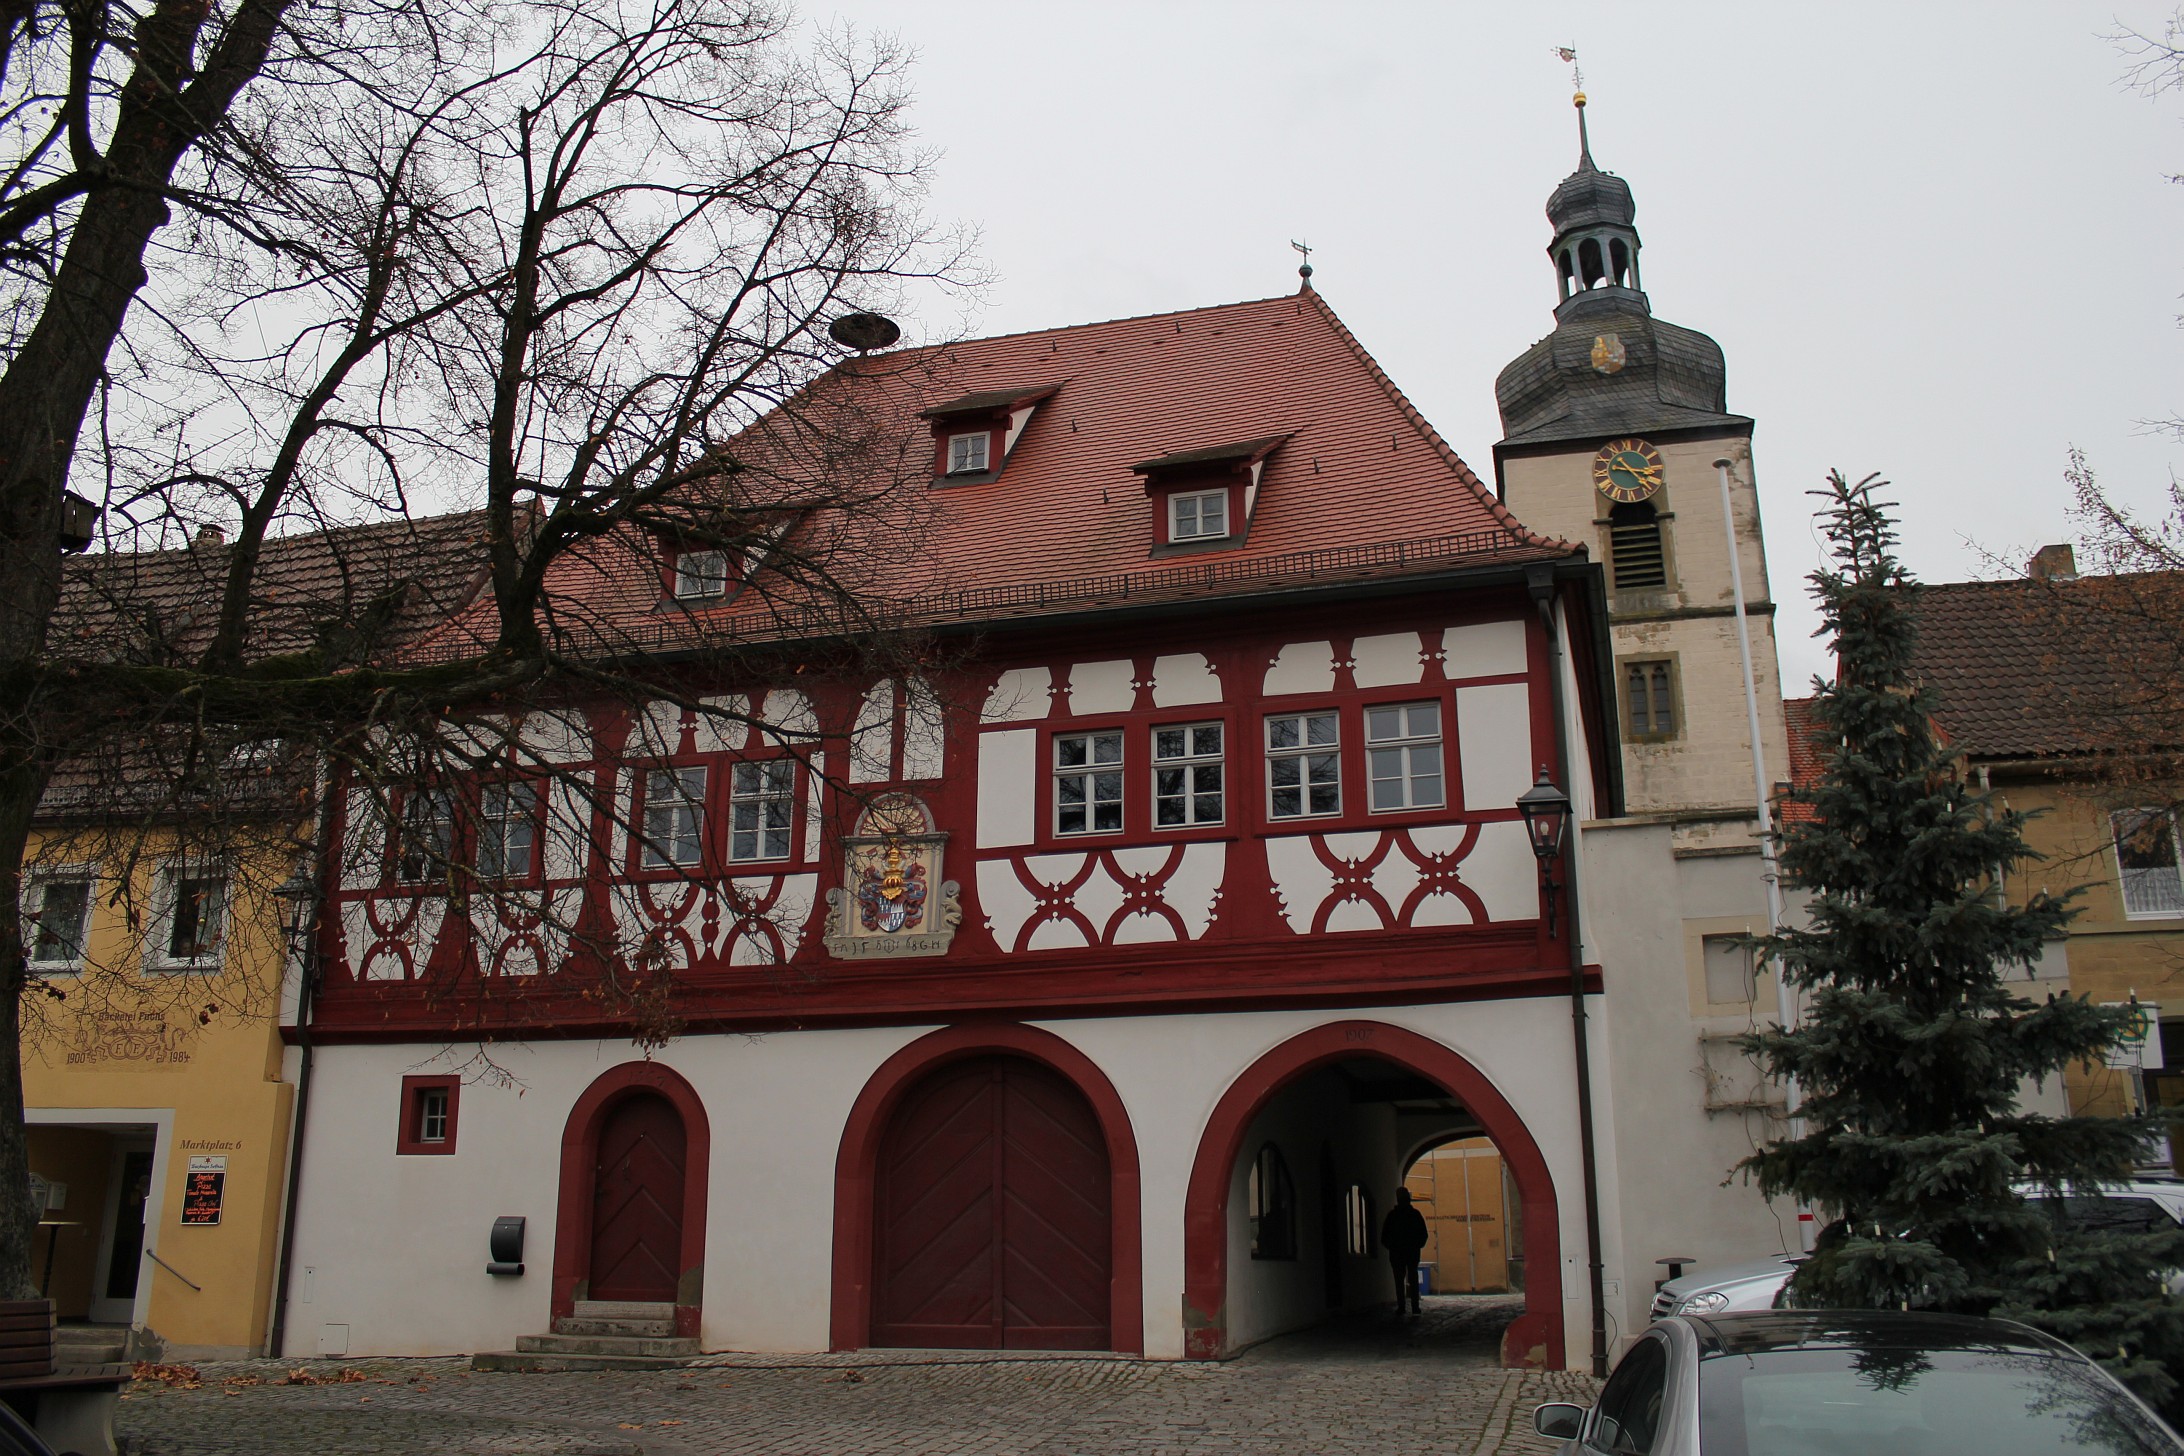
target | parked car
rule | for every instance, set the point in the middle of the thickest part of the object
(2142, 1204)
(1874, 1382)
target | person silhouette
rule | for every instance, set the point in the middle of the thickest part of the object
(1403, 1235)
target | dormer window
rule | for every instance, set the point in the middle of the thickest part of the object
(1196, 514)
(968, 453)
(700, 575)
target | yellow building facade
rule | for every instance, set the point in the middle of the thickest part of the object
(158, 1118)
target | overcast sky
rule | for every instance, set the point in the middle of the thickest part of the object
(1934, 240)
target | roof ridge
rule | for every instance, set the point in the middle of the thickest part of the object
(1134, 318)
(1464, 472)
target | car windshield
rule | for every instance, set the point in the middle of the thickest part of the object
(1853, 1401)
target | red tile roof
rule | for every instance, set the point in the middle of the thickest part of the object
(1808, 757)
(1362, 486)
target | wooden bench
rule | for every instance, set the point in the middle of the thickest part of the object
(72, 1408)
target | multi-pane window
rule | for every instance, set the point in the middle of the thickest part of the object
(432, 1115)
(1187, 775)
(1303, 766)
(701, 574)
(1088, 782)
(196, 912)
(507, 830)
(674, 817)
(1197, 515)
(1649, 696)
(62, 910)
(2146, 856)
(1403, 756)
(425, 836)
(761, 808)
(967, 453)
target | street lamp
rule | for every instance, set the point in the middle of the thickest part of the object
(1546, 812)
(298, 895)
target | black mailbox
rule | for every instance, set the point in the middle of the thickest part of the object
(507, 1245)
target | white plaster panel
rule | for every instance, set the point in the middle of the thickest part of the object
(724, 726)
(1395, 877)
(1195, 887)
(1143, 859)
(557, 735)
(871, 742)
(1184, 679)
(1102, 687)
(1500, 868)
(1005, 900)
(924, 732)
(657, 731)
(1301, 882)
(1354, 915)
(1391, 659)
(1008, 796)
(1353, 847)
(1140, 928)
(1053, 869)
(1438, 839)
(1440, 910)
(1494, 740)
(364, 836)
(1301, 667)
(568, 827)
(1098, 898)
(1484, 649)
(1020, 695)
(1055, 935)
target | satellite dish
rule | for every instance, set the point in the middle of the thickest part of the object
(863, 331)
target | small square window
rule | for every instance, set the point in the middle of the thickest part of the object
(674, 818)
(1198, 515)
(507, 831)
(2146, 858)
(701, 574)
(761, 809)
(1403, 756)
(1088, 783)
(1187, 776)
(1303, 766)
(59, 913)
(967, 453)
(429, 1106)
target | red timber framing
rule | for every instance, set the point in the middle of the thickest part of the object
(395, 973)
(579, 1159)
(856, 1168)
(1534, 1339)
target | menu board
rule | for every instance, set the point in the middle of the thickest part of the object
(207, 1185)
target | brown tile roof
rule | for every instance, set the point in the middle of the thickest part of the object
(1361, 487)
(372, 587)
(2039, 668)
(1808, 757)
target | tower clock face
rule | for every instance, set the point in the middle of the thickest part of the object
(1627, 471)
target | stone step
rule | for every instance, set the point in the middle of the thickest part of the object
(531, 1362)
(623, 1309)
(648, 1347)
(658, 1328)
(75, 1345)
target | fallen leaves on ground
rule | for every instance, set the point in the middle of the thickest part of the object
(302, 1375)
(178, 1377)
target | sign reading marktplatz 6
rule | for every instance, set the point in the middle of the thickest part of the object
(207, 1185)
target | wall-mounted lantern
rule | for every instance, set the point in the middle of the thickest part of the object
(1546, 812)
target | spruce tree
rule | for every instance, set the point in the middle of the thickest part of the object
(1912, 1045)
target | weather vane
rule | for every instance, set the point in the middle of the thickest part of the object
(1304, 269)
(1568, 55)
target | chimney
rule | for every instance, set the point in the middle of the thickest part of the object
(209, 536)
(2053, 563)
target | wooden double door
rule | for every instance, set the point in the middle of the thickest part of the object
(993, 1226)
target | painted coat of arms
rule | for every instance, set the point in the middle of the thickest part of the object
(893, 901)
(1608, 356)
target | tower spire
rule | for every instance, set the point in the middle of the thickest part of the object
(1584, 139)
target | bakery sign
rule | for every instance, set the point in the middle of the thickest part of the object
(893, 901)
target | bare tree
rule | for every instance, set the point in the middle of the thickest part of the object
(548, 265)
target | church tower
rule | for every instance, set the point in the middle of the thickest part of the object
(1612, 427)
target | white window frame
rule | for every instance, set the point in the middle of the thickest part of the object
(427, 1113)
(1299, 753)
(761, 804)
(431, 809)
(1090, 775)
(960, 451)
(159, 952)
(1191, 763)
(673, 829)
(1197, 500)
(34, 890)
(2123, 822)
(495, 841)
(1405, 746)
(700, 575)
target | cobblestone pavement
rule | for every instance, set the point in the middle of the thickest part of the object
(1371, 1386)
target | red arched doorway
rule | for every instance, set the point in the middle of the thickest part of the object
(986, 1194)
(1536, 1338)
(631, 1221)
